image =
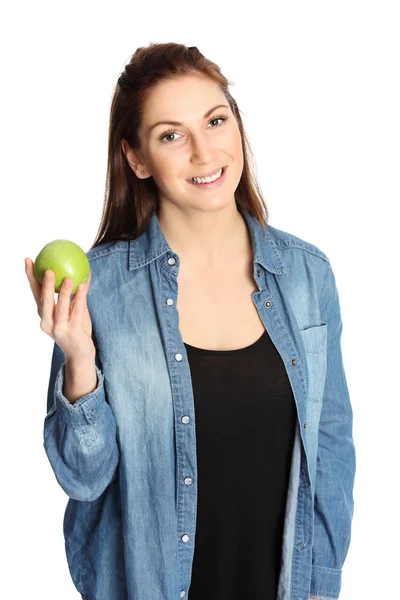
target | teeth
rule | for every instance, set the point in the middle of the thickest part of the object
(207, 179)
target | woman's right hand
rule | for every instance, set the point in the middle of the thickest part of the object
(68, 322)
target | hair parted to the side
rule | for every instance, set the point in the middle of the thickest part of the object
(129, 202)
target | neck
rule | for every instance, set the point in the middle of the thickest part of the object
(206, 240)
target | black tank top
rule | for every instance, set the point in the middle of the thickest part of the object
(245, 417)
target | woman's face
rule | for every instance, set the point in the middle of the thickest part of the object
(207, 139)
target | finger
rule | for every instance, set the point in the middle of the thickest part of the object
(36, 287)
(46, 309)
(79, 305)
(62, 310)
(87, 283)
(85, 286)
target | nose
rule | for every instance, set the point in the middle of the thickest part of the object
(202, 152)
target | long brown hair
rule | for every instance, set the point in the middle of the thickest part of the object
(129, 202)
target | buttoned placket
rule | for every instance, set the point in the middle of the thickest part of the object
(185, 419)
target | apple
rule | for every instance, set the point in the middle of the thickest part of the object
(65, 259)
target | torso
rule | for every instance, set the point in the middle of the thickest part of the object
(216, 310)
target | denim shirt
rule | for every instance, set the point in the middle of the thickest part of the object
(125, 454)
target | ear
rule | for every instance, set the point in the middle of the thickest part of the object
(134, 161)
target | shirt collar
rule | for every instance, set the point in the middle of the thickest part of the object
(152, 244)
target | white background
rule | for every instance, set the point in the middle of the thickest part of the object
(317, 84)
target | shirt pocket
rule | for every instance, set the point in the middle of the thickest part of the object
(315, 346)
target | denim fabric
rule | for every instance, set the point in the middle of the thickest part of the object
(122, 453)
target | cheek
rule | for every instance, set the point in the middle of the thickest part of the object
(163, 166)
(235, 142)
(236, 152)
(167, 170)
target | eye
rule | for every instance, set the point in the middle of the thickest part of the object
(172, 132)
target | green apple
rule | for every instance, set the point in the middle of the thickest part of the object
(65, 259)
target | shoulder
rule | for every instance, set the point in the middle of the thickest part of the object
(284, 240)
(105, 262)
(307, 267)
(107, 249)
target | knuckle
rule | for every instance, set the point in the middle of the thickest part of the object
(44, 326)
(58, 314)
(57, 329)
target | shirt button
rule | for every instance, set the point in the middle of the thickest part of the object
(183, 593)
(268, 304)
(171, 261)
(294, 362)
(178, 356)
(170, 301)
(188, 480)
(185, 419)
(301, 546)
(185, 538)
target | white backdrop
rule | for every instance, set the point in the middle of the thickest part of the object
(318, 87)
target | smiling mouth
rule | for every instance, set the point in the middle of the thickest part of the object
(199, 182)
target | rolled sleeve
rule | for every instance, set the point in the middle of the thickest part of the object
(87, 409)
(80, 438)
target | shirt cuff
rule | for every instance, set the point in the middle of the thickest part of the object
(325, 582)
(87, 409)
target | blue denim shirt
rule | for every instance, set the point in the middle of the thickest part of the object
(124, 453)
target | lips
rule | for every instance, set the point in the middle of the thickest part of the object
(213, 184)
(207, 174)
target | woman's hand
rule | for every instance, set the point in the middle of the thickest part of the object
(68, 322)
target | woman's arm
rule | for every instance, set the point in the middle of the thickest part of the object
(80, 436)
(336, 460)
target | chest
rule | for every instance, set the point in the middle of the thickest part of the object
(216, 310)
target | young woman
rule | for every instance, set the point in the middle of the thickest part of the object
(198, 415)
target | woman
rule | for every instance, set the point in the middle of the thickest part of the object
(204, 437)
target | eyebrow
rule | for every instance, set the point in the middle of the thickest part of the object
(208, 113)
